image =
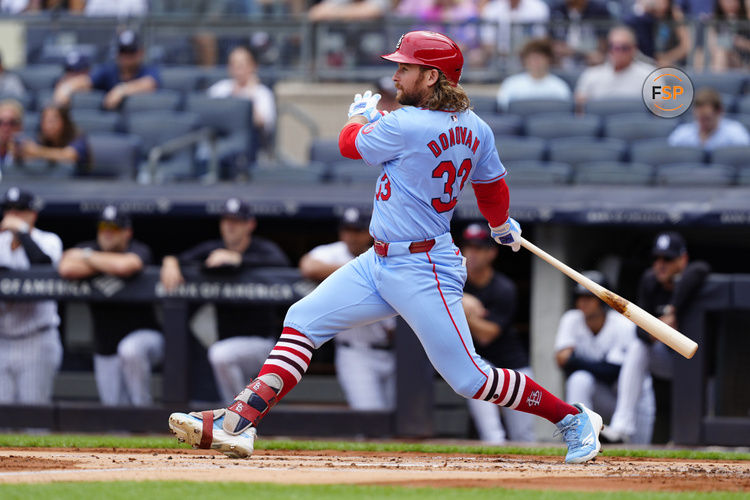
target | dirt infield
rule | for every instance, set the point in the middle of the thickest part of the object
(34, 465)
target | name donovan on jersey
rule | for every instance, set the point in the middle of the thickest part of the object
(455, 136)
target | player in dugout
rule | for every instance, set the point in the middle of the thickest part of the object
(424, 154)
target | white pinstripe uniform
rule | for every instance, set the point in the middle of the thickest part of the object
(30, 348)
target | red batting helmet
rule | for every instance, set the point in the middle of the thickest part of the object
(428, 48)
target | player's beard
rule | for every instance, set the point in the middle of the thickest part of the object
(414, 96)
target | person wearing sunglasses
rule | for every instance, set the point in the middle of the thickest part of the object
(30, 348)
(11, 123)
(666, 290)
(127, 342)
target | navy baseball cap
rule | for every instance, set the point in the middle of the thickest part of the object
(595, 276)
(669, 245)
(477, 234)
(237, 209)
(353, 218)
(16, 198)
(75, 61)
(112, 215)
(127, 42)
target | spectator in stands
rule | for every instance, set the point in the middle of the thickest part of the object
(728, 38)
(580, 37)
(11, 85)
(590, 347)
(622, 76)
(120, 8)
(365, 361)
(490, 304)
(245, 84)
(667, 290)
(76, 64)
(515, 20)
(59, 140)
(661, 33)
(30, 349)
(431, 14)
(347, 10)
(14, 6)
(127, 342)
(247, 333)
(536, 82)
(710, 129)
(11, 125)
(127, 76)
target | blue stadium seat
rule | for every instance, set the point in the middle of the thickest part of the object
(743, 104)
(729, 82)
(181, 78)
(31, 123)
(325, 151)
(659, 152)
(502, 124)
(614, 172)
(577, 150)
(161, 100)
(743, 118)
(213, 74)
(156, 127)
(743, 176)
(287, 175)
(512, 148)
(736, 156)
(538, 173)
(114, 155)
(88, 100)
(527, 107)
(353, 172)
(695, 174)
(26, 100)
(93, 120)
(570, 76)
(39, 76)
(555, 125)
(635, 126)
(604, 107)
(484, 104)
(227, 116)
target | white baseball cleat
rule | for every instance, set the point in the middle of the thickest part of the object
(204, 430)
(581, 434)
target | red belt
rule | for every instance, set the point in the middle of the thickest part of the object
(381, 247)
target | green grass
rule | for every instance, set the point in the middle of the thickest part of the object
(164, 490)
(109, 441)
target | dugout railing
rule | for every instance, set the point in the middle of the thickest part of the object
(709, 398)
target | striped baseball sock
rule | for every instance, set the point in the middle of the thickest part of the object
(289, 359)
(516, 391)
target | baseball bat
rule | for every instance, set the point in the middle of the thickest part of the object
(648, 322)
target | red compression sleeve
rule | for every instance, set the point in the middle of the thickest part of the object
(493, 201)
(346, 141)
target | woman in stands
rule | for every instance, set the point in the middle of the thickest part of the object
(729, 36)
(59, 141)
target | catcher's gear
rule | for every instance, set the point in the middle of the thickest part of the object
(428, 48)
(366, 105)
(508, 234)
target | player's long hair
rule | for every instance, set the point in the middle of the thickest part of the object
(446, 97)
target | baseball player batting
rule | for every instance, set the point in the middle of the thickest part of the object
(426, 152)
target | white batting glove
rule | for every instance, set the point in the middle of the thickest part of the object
(508, 234)
(367, 106)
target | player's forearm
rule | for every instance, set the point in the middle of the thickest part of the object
(33, 252)
(74, 268)
(315, 269)
(122, 265)
(143, 84)
(493, 200)
(65, 154)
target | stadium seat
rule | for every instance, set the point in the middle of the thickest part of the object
(156, 127)
(743, 104)
(504, 124)
(538, 173)
(695, 174)
(31, 123)
(604, 107)
(728, 82)
(325, 151)
(93, 121)
(88, 100)
(659, 152)
(577, 150)
(353, 171)
(212, 75)
(555, 125)
(114, 155)
(743, 176)
(512, 148)
(570, 76)
(613, 172)
(636, 126)
(736, 156)
(527, 107)
(26, 100)
(181, 78)
(39, 76)
(743, 118)
(161, 100)
(226, 116)
(287, 175)
(484, 104)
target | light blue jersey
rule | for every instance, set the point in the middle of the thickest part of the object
(428, 157)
